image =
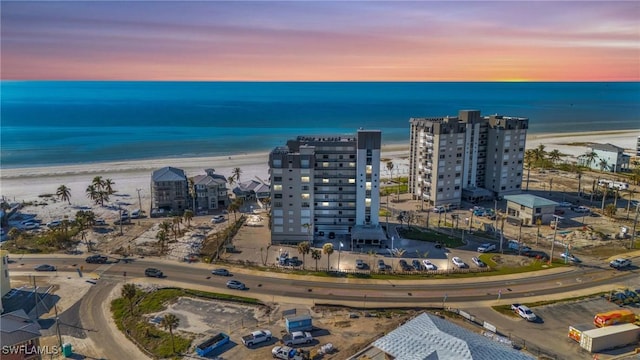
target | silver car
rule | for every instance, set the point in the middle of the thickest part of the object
(235, 284)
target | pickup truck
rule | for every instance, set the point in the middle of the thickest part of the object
(524, 312)
(289, 353)
(297, 338)
(256, 337)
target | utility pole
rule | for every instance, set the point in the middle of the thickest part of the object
(35, 294)
(555, 231)
(139, 199)
(58, 326)
(604, 196)
(635, 221)
(502, 219)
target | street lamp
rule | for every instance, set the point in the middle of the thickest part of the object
(339, 250)
(555, 231)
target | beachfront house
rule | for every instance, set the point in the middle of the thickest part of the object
(211, 192)
(169, 190)
(252, 190)
(466, 157)
(609, 158)
(527, 208)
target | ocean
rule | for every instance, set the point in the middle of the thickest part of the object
(73, 122)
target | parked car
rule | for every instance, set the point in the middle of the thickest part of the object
(360, 264)
(54, 223)
(100, 222)
(478, 262)
(458, 262)
(439, 209)
(581, 209)
(96, 259)
(565, 204)
(153, 272)
(438, 245)
(417, 265)
(30, 225)
(136, 213)
(217, 219)
(381, 265)
(297, 338)
(235, 284)
(524, 312)
(256, 337)
(570, 257)
(558, 212)
(620, 263)
(221, 272)
(289, 353)
(404, 265)
(45, 267)
(429, 265)
(487, 247)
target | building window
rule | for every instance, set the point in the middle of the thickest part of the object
(277, 178)
(304, 179)
(277, 204)
(325, 181)
(369, 169)
(277, 187)
(304, 163)
(368, 185)
(304, 196)
(325, 164)
(367, 202)
(352, 181)
(325, 203)
(277, 163)
(277, 196)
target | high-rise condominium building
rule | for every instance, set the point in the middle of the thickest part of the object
(325, 187)
(468, 157)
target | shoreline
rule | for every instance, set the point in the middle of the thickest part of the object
(26, 184)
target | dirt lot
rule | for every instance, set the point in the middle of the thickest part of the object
(346, 331)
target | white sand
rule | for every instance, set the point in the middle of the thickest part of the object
(26, 184)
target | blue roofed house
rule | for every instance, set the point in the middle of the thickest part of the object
(609, 158)
(529, 208)
(430, 337)
(170, 190)
(19, 336)
(252, 190)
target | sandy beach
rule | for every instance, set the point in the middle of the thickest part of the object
(26, 184)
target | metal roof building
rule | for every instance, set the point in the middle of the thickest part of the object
(430, 337)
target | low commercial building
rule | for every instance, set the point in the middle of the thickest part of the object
(430, 337)
(529, 208)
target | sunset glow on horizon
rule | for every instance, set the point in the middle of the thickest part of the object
(321, 40)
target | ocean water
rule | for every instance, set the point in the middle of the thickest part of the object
(74, 122)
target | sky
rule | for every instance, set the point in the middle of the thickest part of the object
(321, 40)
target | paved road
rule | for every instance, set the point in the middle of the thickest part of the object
(266, 285)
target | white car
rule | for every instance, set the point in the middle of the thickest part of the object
(217, 219)
(569, 257)
(458, 262)
(565, 204)
(486, 248)
(581, 209)
(30, 225)
(439, 209)
(478, 262)
(429, 265)
(54, 223)
(620, 263)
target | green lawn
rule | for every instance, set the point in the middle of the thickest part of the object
(429, 236)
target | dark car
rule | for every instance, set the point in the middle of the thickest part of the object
(152, 272)
(221, 272)
(45, 267)
(535, 254)
(438, 245)
(96, 259)
(417, 265)
(404, 265)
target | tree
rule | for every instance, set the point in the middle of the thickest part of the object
(129, 292)
(539, 155)
(64, 193)
(328, 250)
(14, 234)
(107, 185)
(188, 215)
(390, 168)
(307, 227)
(316, 255)
(589, 157)
(162, 240)
(236, 174)
(555, 156)
(165, 226)
(170, 321)
(177, 220)
(610, 210)
(304, 248)
(92, 193)
(578, 172)
(528, 160)
(234, 207)
(603, 164)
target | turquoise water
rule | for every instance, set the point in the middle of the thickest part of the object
(70, 122)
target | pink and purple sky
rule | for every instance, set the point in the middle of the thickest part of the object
(321, 40)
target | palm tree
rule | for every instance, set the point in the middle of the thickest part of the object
(165, 226)
(390, 168)
(328, 250)
(304, 248)
(589, 157)
(98, 182)
(528, 160)
(578, 172)
(177, 220)
(610, 210)
(64, 193)
(316, 255)
(236, 174)
(129, 292)
(307, 227)
(107, 184)
(188, 215)
(14, 234)
(539, 155)
(233, 208)
(555, 156)
(603, 164)
(170, 321)
(162, 240)
(92, 193)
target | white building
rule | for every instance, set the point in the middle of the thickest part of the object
(609, 158)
